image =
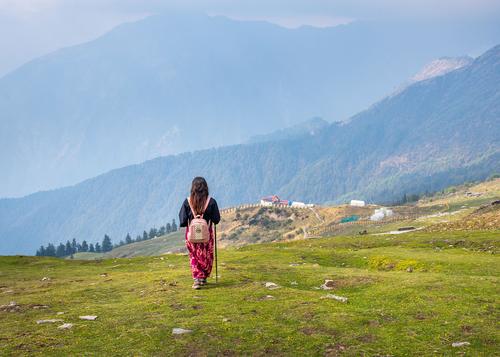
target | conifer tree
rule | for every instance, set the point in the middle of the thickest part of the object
(174, 226)
(106, 244)
(144, 235)
(85, 246)
(91, 248)
(128, 239)
(51, 250)
(68, 248)
(61, 250)
(98, 248)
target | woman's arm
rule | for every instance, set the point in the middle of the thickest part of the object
(183, 214)
(215, 214)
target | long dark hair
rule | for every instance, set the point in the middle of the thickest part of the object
(199, 194)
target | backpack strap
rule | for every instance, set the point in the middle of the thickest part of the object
(204, 208)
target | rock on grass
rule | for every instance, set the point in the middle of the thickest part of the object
(49, 321)
(65, 326)
(180, 331)
(335, 297)
(88, 317)
(328, 285)
(460, 344)
(10, 307)
(271, 286)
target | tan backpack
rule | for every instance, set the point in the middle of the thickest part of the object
(198, 228)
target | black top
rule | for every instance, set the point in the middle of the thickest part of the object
(211, 214)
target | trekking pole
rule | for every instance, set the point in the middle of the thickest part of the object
(216, 273)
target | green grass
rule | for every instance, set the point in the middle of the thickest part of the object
(451, 296)
(86, 256)
(172, 242)
(168, 243)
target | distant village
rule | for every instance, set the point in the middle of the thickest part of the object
(276, 201)
(378, 214)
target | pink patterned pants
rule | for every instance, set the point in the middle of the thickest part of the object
(201, 256)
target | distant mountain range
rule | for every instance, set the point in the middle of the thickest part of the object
(434, 133)
(141, 90)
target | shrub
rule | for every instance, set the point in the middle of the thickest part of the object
(409, 263)
(381, 263)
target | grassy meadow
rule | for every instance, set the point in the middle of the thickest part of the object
(409, 294)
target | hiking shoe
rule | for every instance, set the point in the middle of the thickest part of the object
(203, 281)
(197, 284)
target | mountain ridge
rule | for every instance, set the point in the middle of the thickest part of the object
(130, 95)
(435, 133)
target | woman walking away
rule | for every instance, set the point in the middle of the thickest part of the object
(199, 212)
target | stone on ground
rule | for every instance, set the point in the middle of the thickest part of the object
(88, 317)
(65, 326)
(10, 307)
(271, 285)
(180, 331)
(460, 344)
(328, 285)
(48, 321)
(335, 297)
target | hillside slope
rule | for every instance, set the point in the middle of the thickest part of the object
(136, 92)
(438, 132)
(463, 208)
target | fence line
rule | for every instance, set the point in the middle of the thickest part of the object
(253, 205)
(335, 226)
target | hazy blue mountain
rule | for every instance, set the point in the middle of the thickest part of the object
(174, 83)
(437, 132)
(309, 127)
(441, 66)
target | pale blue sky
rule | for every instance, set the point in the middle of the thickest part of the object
(30, 28)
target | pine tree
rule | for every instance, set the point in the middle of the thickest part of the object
(68, 247)
(91, 248)
(98, 248)
(168, 228)
(152, 233)
(138, 238)
(40, 252)
(161, 231)
(79, 247)
(73, 246)
(51, 250)
(128, 239)
(144, 235)
(174, 226)
(106, 244)
(85, 246)
(61, 250)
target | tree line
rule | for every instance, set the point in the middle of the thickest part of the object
(73, 247)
